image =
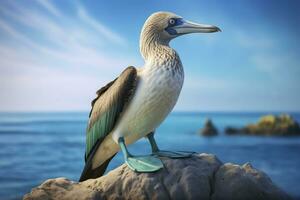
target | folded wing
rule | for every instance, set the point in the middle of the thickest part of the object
(106, 110)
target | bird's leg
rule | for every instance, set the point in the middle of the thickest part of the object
(147, 163)
(163, 153)
(124, 148)
(152, 141)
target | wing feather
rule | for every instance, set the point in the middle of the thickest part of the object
(108, 105)
(106, 110)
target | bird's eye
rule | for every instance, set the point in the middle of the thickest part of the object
(172, 21)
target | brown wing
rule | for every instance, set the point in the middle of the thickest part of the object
(106, 109)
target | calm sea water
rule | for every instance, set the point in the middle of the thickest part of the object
(38, 146)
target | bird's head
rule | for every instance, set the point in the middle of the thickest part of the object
(167, 26)
(162, 27)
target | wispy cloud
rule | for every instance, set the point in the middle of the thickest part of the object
(65, 58)
(50, 7)
(266, 55)
(278, 67)
(103, 30)
(254, 40)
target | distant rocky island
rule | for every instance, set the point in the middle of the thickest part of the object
(269, 125)
(209, 129)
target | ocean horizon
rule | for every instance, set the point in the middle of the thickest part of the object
(36, 146)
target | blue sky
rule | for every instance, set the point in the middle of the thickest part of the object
(55, 54)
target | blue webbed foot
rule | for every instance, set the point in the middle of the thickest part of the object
(148, 163)
(174, 154)
(162, 153)
(144, 163)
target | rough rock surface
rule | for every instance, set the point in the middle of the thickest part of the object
(282, 125)
(209, 129)
(202, 176)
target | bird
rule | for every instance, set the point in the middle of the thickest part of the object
(134, 104)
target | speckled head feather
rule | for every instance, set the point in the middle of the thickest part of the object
(154, 32)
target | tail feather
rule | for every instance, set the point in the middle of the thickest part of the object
(88, 172)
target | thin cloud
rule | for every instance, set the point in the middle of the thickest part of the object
(276, 66)
(71, 41)
(265, 54)
(50, 7)
(254, 40)
(16, 35)
(103, 30)
(53, 64)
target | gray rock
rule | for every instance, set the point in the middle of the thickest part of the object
(202, 176)
(244, 182)
(61, 188)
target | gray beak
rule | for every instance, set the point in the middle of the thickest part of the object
(191, 27)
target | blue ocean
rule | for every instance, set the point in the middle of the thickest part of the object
(38, 146)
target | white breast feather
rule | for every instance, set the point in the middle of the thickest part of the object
(156, 95)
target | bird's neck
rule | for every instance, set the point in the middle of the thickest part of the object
(156, 50)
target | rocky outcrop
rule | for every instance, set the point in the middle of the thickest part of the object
(283, 125)
(209, 129)
(202, 176)
(244, 182)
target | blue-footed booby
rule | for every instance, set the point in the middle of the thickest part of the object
(133, 105)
